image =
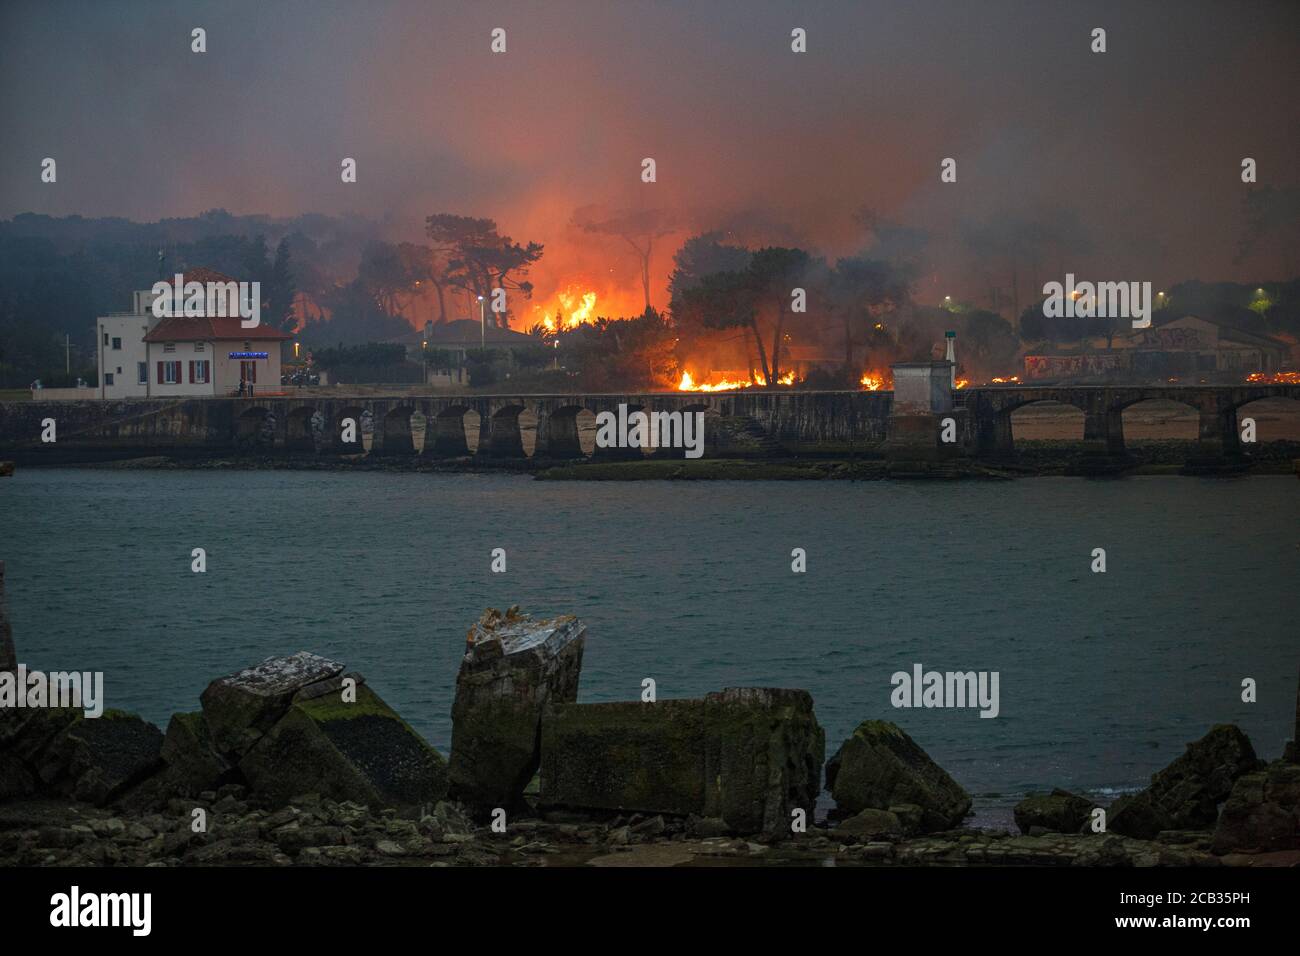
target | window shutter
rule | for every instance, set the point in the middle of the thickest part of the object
(191, 371)
(160, 373)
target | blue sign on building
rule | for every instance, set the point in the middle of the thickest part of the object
(248, 355)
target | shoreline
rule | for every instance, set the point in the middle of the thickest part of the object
(1035, 458)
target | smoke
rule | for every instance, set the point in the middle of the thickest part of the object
(1134, 150)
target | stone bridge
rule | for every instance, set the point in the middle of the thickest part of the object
(752, 423)
(988, 412)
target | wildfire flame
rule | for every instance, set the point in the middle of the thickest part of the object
(572, 306)
(688, 383)
(1277, 378)
(963, 382)
(872, 381)
(1009, 380)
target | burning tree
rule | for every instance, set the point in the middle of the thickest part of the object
(476, 258)
(726, 300)
(638, 228)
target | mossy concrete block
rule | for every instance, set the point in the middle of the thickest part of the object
(880, 765)
(362, 751)
(765, 753)
(239, 708)
(515, 667)
(626, 756)
(747, 756)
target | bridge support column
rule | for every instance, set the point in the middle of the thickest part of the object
(1218, 431)
(498, 435)
(1103, 431)
(444, 436)
(557, 435)
(392, 434)
(993, 434)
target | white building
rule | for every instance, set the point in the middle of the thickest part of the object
(142, 356)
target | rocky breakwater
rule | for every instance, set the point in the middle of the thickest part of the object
(1216, 798)
(297, 761)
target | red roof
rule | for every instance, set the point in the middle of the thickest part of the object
(179, 328)
(200, 274)
(182, 328)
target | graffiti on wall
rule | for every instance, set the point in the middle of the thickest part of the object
(1073, 366)
(1174, 339)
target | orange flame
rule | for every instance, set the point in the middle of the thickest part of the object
(1009, 380)
(574, 308)
(872, 381)
(1276, 378)
(688, 383)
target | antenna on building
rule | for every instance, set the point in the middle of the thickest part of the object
(951, 355)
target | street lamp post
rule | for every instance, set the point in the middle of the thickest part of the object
(482, 324)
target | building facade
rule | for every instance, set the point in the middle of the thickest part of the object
(144, 356)
(1189, 349)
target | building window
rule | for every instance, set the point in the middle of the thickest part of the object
(198, 346)
(117, 344)
(199, 371)
(108, 378)
(105, 338)
(169, 373)
(142, 370)
(169, 346)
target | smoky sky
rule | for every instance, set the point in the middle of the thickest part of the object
(1143, 143)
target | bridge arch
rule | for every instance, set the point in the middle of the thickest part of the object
(1047, 419)
(1276, 417)
(349, 414)
(255, 429)
(1159, 418)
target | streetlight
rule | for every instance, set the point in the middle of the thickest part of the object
(482, 324)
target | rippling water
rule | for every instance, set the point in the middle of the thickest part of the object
(1104, 677)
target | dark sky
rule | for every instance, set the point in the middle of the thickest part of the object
(1143, 143)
